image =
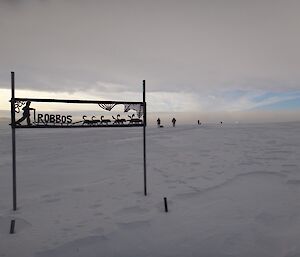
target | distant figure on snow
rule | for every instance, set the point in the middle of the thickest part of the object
(199, 123)
(26, 114)
(173, 122)
(158, 122)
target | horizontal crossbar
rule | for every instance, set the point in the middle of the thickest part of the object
(45, 100)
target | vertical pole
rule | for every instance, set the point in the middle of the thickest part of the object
(144, 136)
(13, 131)
(34, 115)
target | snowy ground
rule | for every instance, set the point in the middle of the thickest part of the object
(233, 190)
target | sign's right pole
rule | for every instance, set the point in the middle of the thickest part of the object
(13, 133)
(144, 136)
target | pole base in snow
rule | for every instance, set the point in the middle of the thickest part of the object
(12, 226)
(166, 204)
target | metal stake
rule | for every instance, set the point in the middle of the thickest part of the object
(166, 204)
(144, 136)
(13, 131)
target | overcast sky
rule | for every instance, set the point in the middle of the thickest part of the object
(195, 55)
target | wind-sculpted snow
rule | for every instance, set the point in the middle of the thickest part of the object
(233, 190)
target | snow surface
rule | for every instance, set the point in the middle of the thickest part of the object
(233, 190)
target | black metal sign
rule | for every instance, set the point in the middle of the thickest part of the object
(29, 116)
(26, 113)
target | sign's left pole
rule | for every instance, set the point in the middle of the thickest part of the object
(13, 132)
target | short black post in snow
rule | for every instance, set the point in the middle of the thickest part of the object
(12, 226)
(166, 204)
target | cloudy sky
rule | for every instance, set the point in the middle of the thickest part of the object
(200, 56)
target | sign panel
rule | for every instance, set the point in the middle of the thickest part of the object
(28, 114)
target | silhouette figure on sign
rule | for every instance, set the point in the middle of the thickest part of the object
(95, 121)
(134, 120)
(104, 121)
(118, 120)
(26, 114)
(85, 121)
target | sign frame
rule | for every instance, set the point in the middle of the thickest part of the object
(16, 103)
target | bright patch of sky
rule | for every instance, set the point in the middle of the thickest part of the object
(282, 101)
(240, 100)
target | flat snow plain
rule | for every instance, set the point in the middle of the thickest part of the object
(233, 191)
